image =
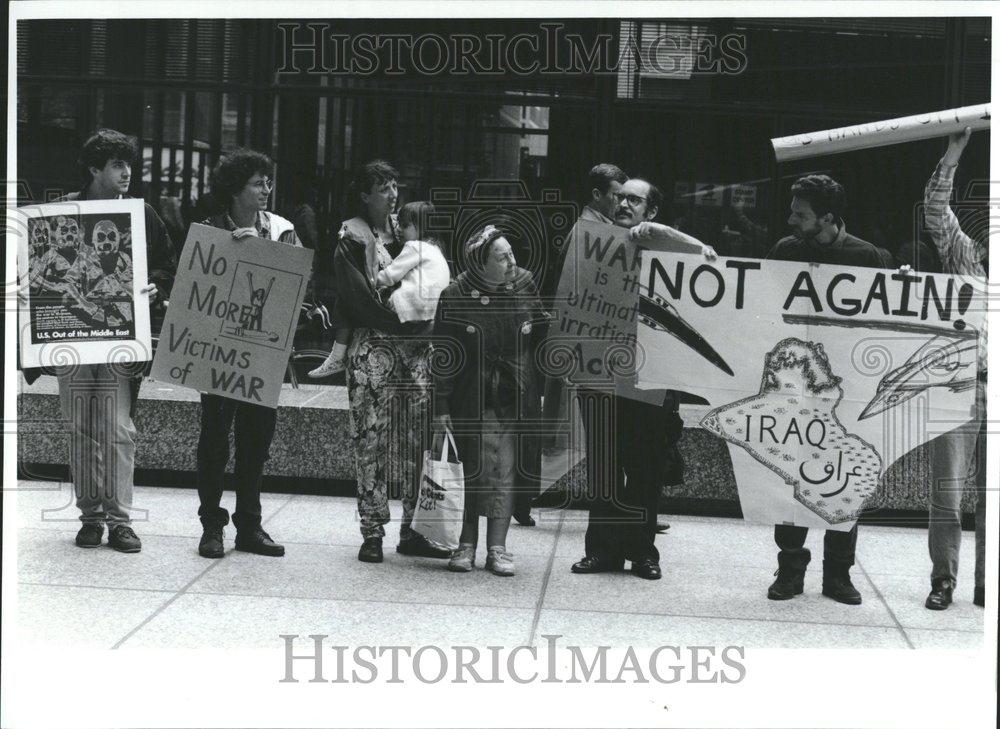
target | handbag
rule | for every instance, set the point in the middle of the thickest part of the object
(441, 497)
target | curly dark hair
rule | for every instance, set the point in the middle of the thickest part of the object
(823, 193)
(373, 172)
(234, 170)
(104, 145)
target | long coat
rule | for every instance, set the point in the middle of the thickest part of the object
(484, 357)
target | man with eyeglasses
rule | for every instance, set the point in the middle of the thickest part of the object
(626, 436)
(242, 181)
(98, 400)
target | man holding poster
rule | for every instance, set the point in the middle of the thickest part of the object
(243, 178)
(819, 235)
(955, 452)
(626, 429)
(98, 400)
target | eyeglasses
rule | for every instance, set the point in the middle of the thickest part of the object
(265, 185)
(632, 200)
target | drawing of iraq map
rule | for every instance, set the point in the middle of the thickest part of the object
(791, 427)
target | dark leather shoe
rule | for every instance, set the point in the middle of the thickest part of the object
(524, 519)
(661, 527)
(90, 535)
(979, 596)
(121, 538)
(211, 543)
(418, 546)
(940, 597)
(647, 569)
(371, 550)
(258, 542)
(592, 565)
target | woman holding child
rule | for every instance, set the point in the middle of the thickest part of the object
(387, 351)
(489, 398)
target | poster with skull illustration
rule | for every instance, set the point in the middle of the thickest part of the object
(81, 265)
(818, 377)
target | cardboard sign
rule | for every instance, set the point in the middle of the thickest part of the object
(84, 263)
(232, 315)
(881, 133)
(819, 377)
(597, 305)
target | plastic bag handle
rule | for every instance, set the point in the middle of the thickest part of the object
(448, 438)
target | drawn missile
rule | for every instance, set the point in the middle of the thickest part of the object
(659, 314)
(940, 362)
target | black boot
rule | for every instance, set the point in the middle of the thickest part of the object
(837, 583)
(789, 575)
(371, 550)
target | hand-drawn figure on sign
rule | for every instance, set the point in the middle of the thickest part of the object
(791, 426)
(252, 316)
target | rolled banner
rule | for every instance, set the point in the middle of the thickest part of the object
(881, 133)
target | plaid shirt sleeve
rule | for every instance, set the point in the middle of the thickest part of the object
(960, 254)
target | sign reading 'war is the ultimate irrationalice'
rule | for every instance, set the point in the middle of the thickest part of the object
(819, 377)
(593, 338)
(232, 315)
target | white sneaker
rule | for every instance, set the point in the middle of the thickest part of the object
(463, 558)
(500, 562)
(331, 366)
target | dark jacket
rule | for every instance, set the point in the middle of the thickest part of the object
(161, 266)
(482, 359)
(358, 302)
(846, 250)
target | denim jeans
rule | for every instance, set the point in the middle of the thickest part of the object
(953, 455)
(97, 403)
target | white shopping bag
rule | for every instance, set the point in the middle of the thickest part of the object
(441, 499)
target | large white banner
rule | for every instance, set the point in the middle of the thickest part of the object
(819, 377)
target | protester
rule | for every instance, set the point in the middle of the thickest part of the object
(626, 462)
(955, 452)
(388, 370)
(490, 400)
(604, 182)
(242, 181)
(420, 269)
(819, 235)
(102, 434)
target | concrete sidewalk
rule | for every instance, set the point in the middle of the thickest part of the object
(716, 573)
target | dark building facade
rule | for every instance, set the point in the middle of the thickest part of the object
(690, 103)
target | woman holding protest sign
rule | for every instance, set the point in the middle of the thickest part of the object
(387, 363)
(242, 182)
(489, 394)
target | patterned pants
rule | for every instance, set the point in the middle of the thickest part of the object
(389, 390)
